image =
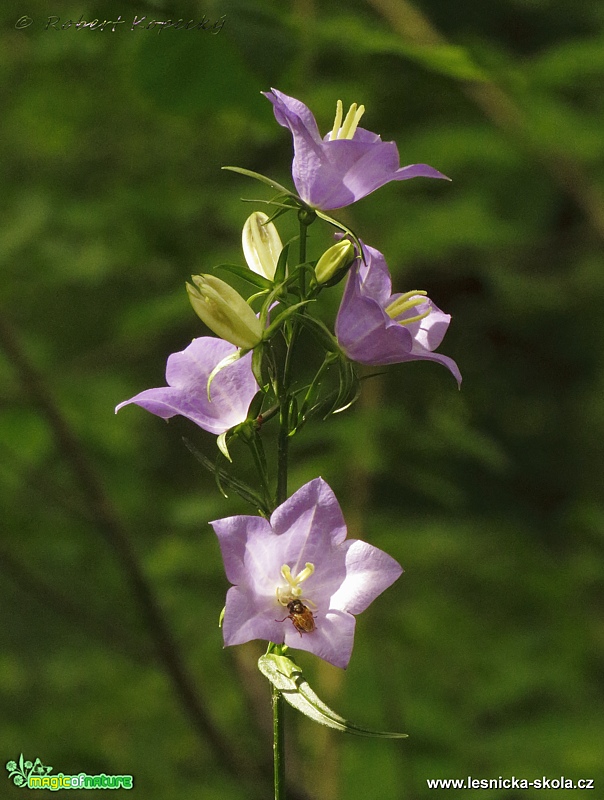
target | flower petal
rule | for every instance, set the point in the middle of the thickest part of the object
(369, 572)
(187, 374)
(332, 640)
(312, 514)
(366, 333)
(245, 618)
(235, 535)
(374, 275)
(293, 114)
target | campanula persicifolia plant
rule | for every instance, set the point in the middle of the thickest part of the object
(296, 580)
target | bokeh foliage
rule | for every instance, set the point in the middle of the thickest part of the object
(488, 651)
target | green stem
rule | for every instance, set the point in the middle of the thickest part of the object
(284, 398)
(278, 744)
(304, 223)
(257, 450)
(283, 451)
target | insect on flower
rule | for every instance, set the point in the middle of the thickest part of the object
(301, 616)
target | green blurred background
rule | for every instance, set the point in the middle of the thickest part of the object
(488, 651)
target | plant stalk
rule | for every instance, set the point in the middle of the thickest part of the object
(278, 744)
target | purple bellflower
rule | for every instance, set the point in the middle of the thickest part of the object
(187, 374)
(301, 554)
(377, 327)
(344, 166)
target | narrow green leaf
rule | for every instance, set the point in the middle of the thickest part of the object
(246, 274)
(283, 316)
(288, 678)
(262, 178)
(256, 405)
(221, 476)
(341, 227)
(321, 333)
(281, 270)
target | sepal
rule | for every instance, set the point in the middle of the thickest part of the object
(286, 676)
(225, 362)
(221, 441)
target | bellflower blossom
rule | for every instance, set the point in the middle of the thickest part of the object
(300, 554)
(187, 374)
(377, 327)
(344, 166)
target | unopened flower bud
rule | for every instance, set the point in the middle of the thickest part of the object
(224, 311)
(335, 262)
(261, 244)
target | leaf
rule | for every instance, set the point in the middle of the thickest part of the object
(321, 333)
(247, 275)
(262, 178)
(221, 476)
(281, 269)
(288, 678)
(341, 227)
(282, 316)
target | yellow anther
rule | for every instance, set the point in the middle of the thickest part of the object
(404, 303)
(337, 121)
(346, 129)
(293, 590)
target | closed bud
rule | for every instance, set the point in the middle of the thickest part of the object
(224, 311)
(261, 245)
(335, 262)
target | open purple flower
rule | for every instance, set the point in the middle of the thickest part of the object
(377, 327)
(187, 374)
(297, 579)
(346, 165)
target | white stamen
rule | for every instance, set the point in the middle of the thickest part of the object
(346, 129)
(293, 590)
(404, 303)
(337, 122)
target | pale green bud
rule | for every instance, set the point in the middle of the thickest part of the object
(224, 311)
(335, 261)
(261, 244)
